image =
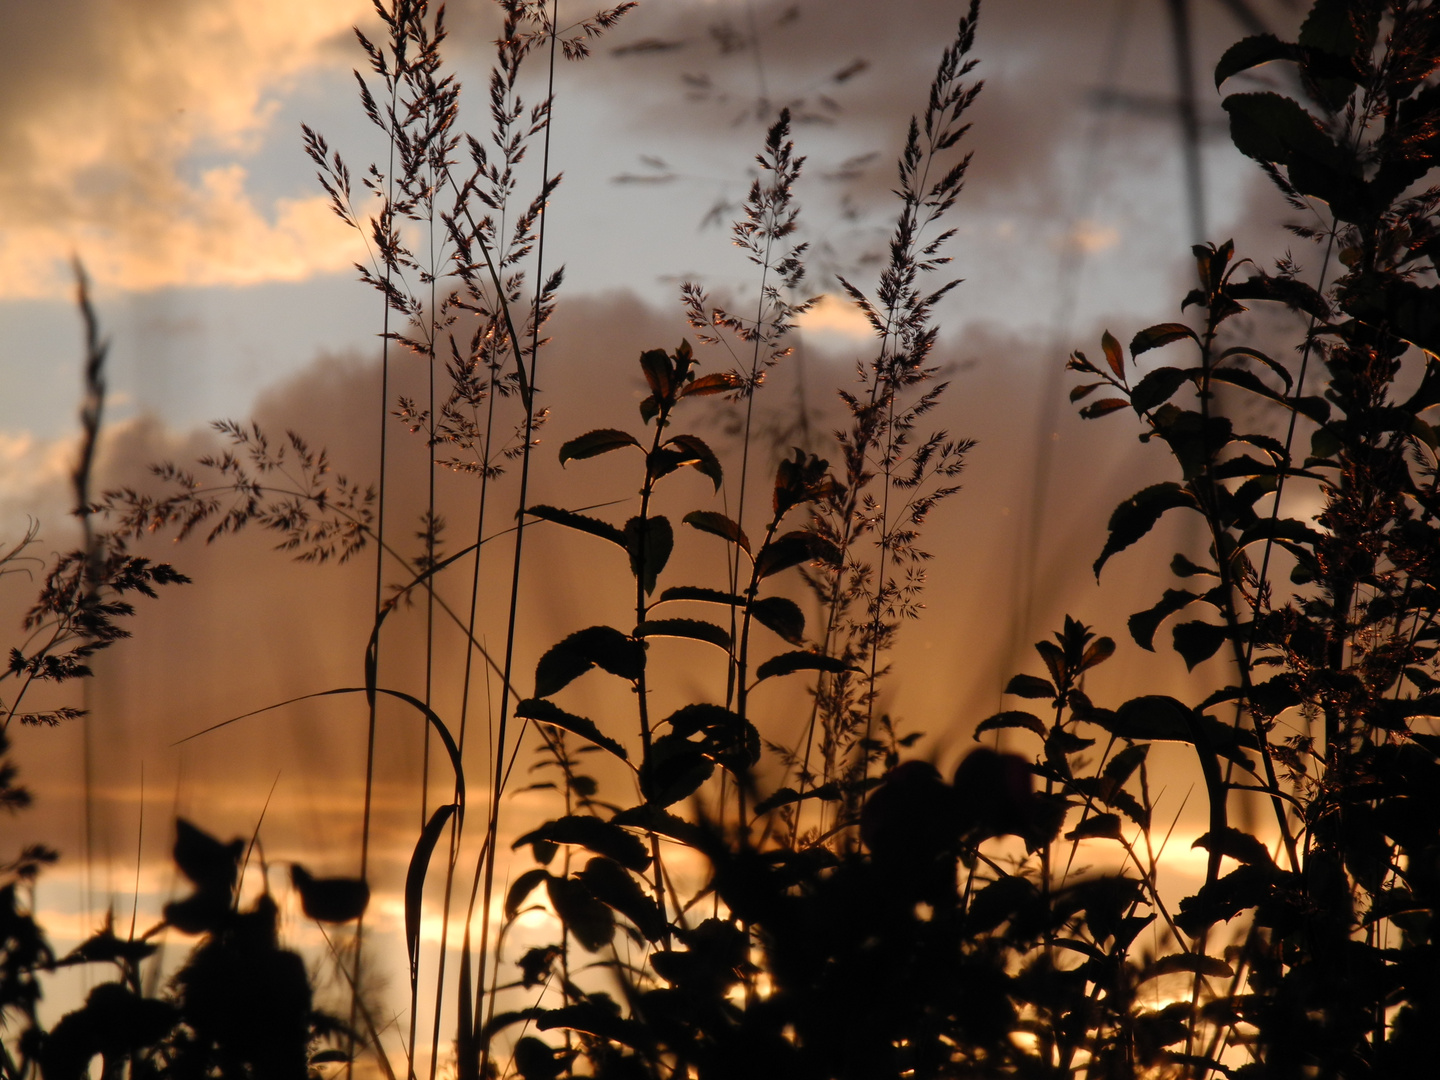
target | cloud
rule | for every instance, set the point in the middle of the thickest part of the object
(111, 118)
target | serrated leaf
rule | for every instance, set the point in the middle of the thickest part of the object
(696, 592)
(695, 453)
(548, 713)
(1240, 846)
(659, 373)
(594, 443)
(694, 629)
(1012, 718)
(1030, 686)
(1113, 356)
(601, 837)
(789, 662)
(1153, 337)
(792, 549)
(1158, 386)
(1097, 826)
(595, 646)
(611, 884)
(582, 522)
(1143, 624)
(708, 521)
(781, 615)
(1251, 52)
(1138, 514)
(1103, 407)
(718, 382)
(649, 542)
(587, 918)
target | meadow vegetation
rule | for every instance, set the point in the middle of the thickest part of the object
(859, 915)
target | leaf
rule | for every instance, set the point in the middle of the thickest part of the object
(1113, 356)
(649, 542)
(694, 629)
(522, 887)
(1255, 354)
(699, 456)
(209, 864)
(595, 646)
(718, 382)
(611, 884)
(1158, 387)
(594, 443)
(1196, 963)
(1198, 641)
(332, 900)
(1153, 337)
(1143, 624)
(548, 713)
(1138, 514)
(1252, 52)
(659, 373)
(601, 837)
(585, 917)
(1103, 407)
(1272, 128)
(586, 524)
(792, 549)
(695, 592)
(1030, 686)
(415, 882)
(782, 616)
(1240, 846)
(1097, 827)
(787, 663)
(715, 524)
(1012, 718)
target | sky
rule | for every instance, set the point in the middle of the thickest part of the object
(159, 143)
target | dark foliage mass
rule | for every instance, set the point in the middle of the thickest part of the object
(860, 915)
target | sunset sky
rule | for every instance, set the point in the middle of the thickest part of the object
(160, 143)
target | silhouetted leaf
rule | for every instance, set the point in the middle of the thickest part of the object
(522, 887)
(1191, 963)
(332, 900)
(536, 1059)
(545, 712)
(708, 596)
(601, 837)
(794, 548)
(207, 862)
(694, 629)
(1253, 51)
(1138, 514)
(786, 663)
(649, 542)
(695, 453)
(610, 883)
(1143, 624)
(1153, 337)
(1097, 826)
(781, 615)
(593, 443)
(673, 770)
(415, 882)
(1113, 356)
(718, 382)
(718, 525)
(1198, 641)
(1271, 128)
(587, 918)
(593, 526)
(595, 646)
(1012, 718)
(1103, 407)
(1240, 846)
(1158, 386)
(1030, 686)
